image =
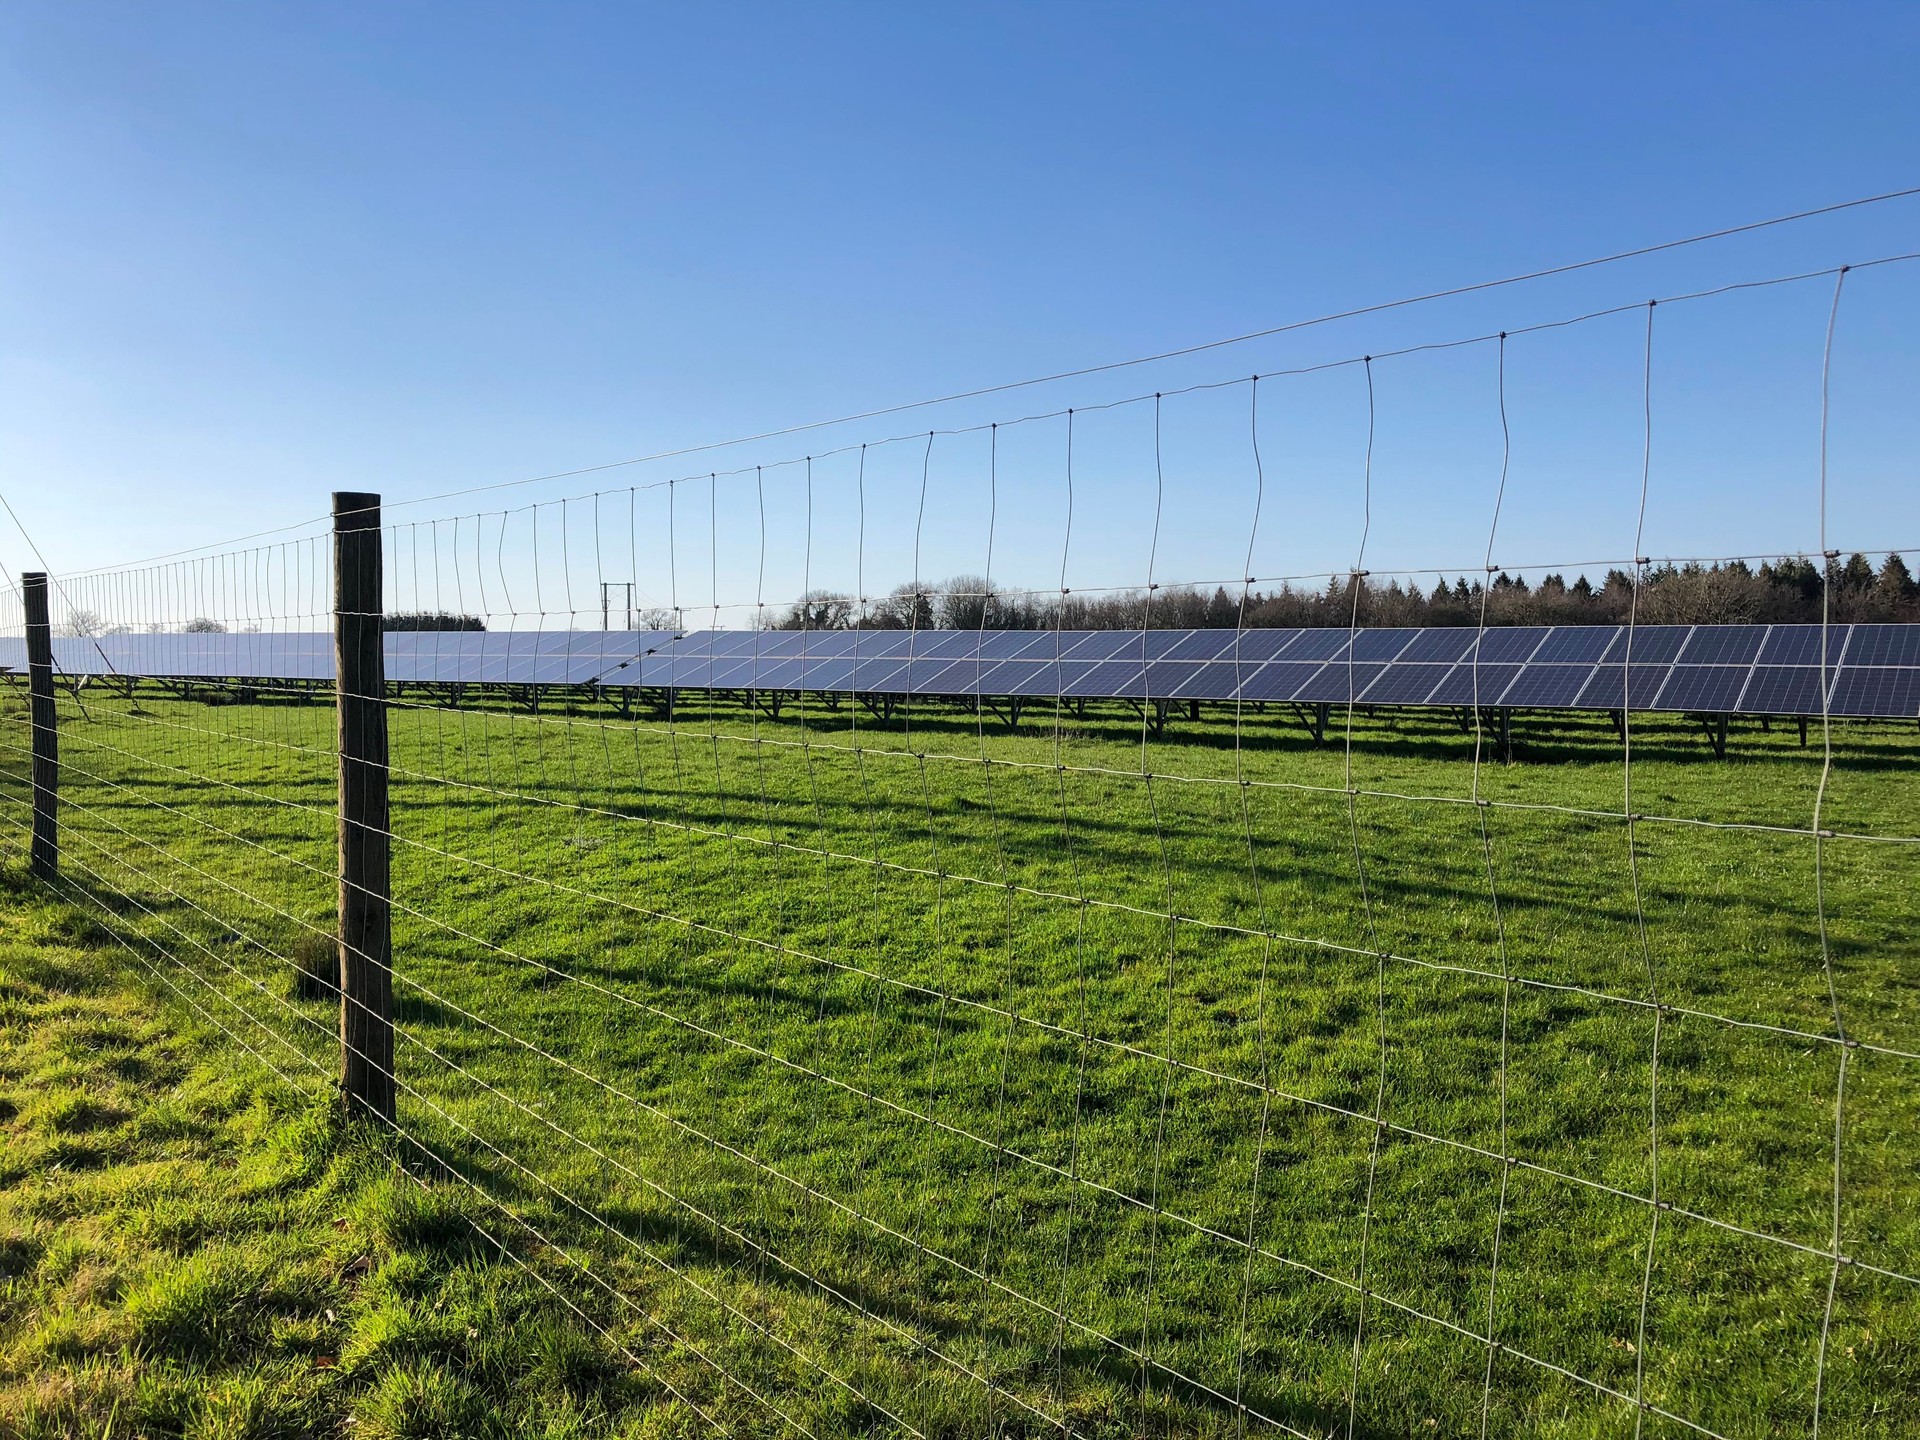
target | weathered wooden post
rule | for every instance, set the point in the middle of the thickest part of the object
(366, 955)
(44, 854)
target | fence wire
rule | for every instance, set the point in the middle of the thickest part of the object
(960, 1063)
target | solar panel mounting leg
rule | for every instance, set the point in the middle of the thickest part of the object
(1193, 709)
(1803, 732)
(1717, 732)
(1504, 721)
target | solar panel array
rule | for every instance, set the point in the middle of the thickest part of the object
(1870, 670)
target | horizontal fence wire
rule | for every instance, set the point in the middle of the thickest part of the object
(935, 1065)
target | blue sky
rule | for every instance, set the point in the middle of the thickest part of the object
(254, 253)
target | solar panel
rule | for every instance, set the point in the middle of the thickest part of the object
(1458, 686)
(935, 675)
(1711, 688)
(512, 658)
(1009, 677)
(685, 645)
(1154, 644)
(1104, 644)
(1277, 680)
(828, 672)
(561, 642)
(1884, 645)
(1381, 644)
(732, 642)
(1006, 644)
(1716, 669)
(885, 675)
(649, 669)
(1509, 644)
(1576, 644)
(1252, 646)
(942, 679)
(1002, 677)
(1782, 690)
(641, 671)
(1044, 678)
(759, 671)
(1113, 679)
(1451, 643)
(1215, 680)
(778, 673)
(1877, 691)
(736, 672)
(944, 644)
(875, 644)
(1724, 645)
(1339, 683)
(1639, 684)
(1197, 645)
(1550, 687)
(1647, 644)
(1317, 644)
(1405, 684)
(1163, 677)
(828, 642)
(1800, 645)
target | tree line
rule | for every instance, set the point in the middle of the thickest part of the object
(1787, 591)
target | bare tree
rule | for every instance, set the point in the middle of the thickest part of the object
(819, 610)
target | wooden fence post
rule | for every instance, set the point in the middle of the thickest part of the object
(44, 855)
(366, 956)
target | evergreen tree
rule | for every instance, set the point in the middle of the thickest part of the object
(1896, 583)
(1857, 574)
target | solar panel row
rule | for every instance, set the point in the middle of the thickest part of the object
(1868, 670)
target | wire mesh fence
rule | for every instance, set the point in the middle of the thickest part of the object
(874, 1045)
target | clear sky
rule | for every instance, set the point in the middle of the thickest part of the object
(252, 253)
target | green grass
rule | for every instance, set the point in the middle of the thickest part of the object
(834, 1057)
(187, 1248)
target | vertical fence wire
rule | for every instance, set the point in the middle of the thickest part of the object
(926, 1010)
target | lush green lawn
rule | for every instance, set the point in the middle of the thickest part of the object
(927, 1076)
(186, 1248)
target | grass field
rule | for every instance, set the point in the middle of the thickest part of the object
(187, 1249)
(927, 1076)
